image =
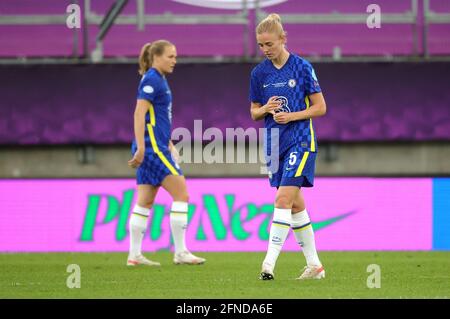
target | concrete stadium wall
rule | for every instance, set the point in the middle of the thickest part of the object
(356, 159)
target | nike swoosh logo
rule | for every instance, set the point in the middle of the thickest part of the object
(265, 85)
(330, 221)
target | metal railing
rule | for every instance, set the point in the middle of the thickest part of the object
(141, 19)
(242, 17)
(431, 17)
(409, 17)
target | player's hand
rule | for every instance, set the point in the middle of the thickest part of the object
(137, 159)
(282, 117)
(272, 105)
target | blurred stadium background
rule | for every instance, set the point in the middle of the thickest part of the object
(68, 96)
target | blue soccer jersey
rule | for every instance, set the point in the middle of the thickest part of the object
(158, 120)
(158, 161)
(293, 83)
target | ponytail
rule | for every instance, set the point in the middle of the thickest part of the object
(145, 60)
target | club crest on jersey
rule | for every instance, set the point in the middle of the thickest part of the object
(284, 107)
(292, 83)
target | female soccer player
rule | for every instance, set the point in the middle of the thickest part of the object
(155, 156)
(284, 91)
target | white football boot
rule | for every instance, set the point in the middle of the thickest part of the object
(312, 272)
(185, 257)
(141, 260)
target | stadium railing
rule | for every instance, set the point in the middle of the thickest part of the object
(419, 18)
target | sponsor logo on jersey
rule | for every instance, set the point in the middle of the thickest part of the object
(284, 106)
(276, 85)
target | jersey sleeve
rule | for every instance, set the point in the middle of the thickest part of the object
(255, 88)
(311, 82)
(148, 88)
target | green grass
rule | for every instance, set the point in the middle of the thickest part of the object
(225, 275)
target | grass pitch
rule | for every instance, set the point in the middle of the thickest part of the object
(225, 275)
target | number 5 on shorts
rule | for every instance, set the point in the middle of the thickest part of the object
(292, 158)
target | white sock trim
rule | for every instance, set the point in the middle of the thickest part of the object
(282, 215)
(180, 207)
(300, 218)
(141, 210)
(139, 221)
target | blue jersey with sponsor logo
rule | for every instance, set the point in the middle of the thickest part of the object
(158, 162)
(293, 83)
(158, 120)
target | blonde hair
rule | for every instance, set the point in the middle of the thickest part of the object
(271, 24)
(148, 51)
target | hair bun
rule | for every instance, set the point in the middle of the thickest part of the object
(274, 16)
